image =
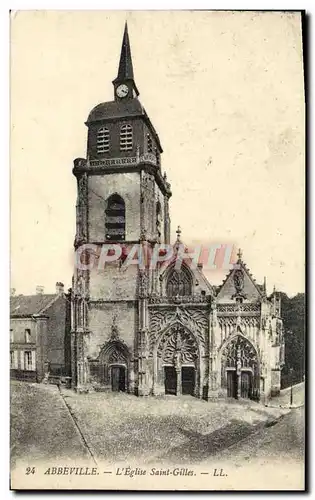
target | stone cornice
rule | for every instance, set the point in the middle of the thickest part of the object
(129, 164)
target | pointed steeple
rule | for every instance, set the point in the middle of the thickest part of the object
(125, 68)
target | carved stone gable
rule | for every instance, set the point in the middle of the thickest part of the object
(178, 345)
(196, 321)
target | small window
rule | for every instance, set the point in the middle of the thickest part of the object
(126, 138)
(28, 360)
(149, 144)
(11, 335)
(27, 335)
(102, 140)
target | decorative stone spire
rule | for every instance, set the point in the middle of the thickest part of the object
(178, 232)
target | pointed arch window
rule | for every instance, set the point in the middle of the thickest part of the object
(126, 138)
(115, 218)
(149, 144)
(179, 283)
(102, 140)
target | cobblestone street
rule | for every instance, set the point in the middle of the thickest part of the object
(41, 427)
(120, 427)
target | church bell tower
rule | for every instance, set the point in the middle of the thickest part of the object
(122, 199)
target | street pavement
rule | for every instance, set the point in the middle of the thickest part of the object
(49, 425)
(41, 427)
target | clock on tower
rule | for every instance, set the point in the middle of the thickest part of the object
(124, 84)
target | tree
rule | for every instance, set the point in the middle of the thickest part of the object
(293, 315)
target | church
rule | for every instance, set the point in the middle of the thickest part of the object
(159, 331)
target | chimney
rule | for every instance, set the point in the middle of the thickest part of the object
(39, 290)
(12, 292)
(59, 288)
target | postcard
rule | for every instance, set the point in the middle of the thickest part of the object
(157, 300)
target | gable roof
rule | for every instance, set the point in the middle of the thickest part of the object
(226, 290)
(28, 305)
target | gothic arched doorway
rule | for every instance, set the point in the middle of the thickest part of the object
(113, 366)
(178, 362)
(240, 369)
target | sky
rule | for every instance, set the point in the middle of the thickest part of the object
(224, 91)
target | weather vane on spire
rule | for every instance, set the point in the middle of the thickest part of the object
(239, 254)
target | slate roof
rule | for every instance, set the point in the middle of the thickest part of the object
(125, 70)
(116, 109)
(27, 305)
(113, 110)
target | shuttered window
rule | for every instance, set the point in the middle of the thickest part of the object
(102, 140)
(115, 214)
(126, 138)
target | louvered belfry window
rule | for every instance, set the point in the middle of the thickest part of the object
(115, 215)
(126, 138)
(102, 140)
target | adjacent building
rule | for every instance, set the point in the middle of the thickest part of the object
(40, 334)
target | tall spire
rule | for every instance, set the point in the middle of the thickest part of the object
(125, 68)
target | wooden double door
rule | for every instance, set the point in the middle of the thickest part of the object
(179, 383)
(239, 384)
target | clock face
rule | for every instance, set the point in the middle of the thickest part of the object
(122, 90)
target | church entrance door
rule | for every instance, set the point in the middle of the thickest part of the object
(246, 384)
(240, 369)
(231, 384)
(170, 380)
(118, 376)
(188, 380)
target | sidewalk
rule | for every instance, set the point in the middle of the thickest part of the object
(283, 400)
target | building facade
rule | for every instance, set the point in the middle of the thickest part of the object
(161, 330)
(40, 335)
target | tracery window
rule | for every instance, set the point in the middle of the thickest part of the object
(179, 283)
